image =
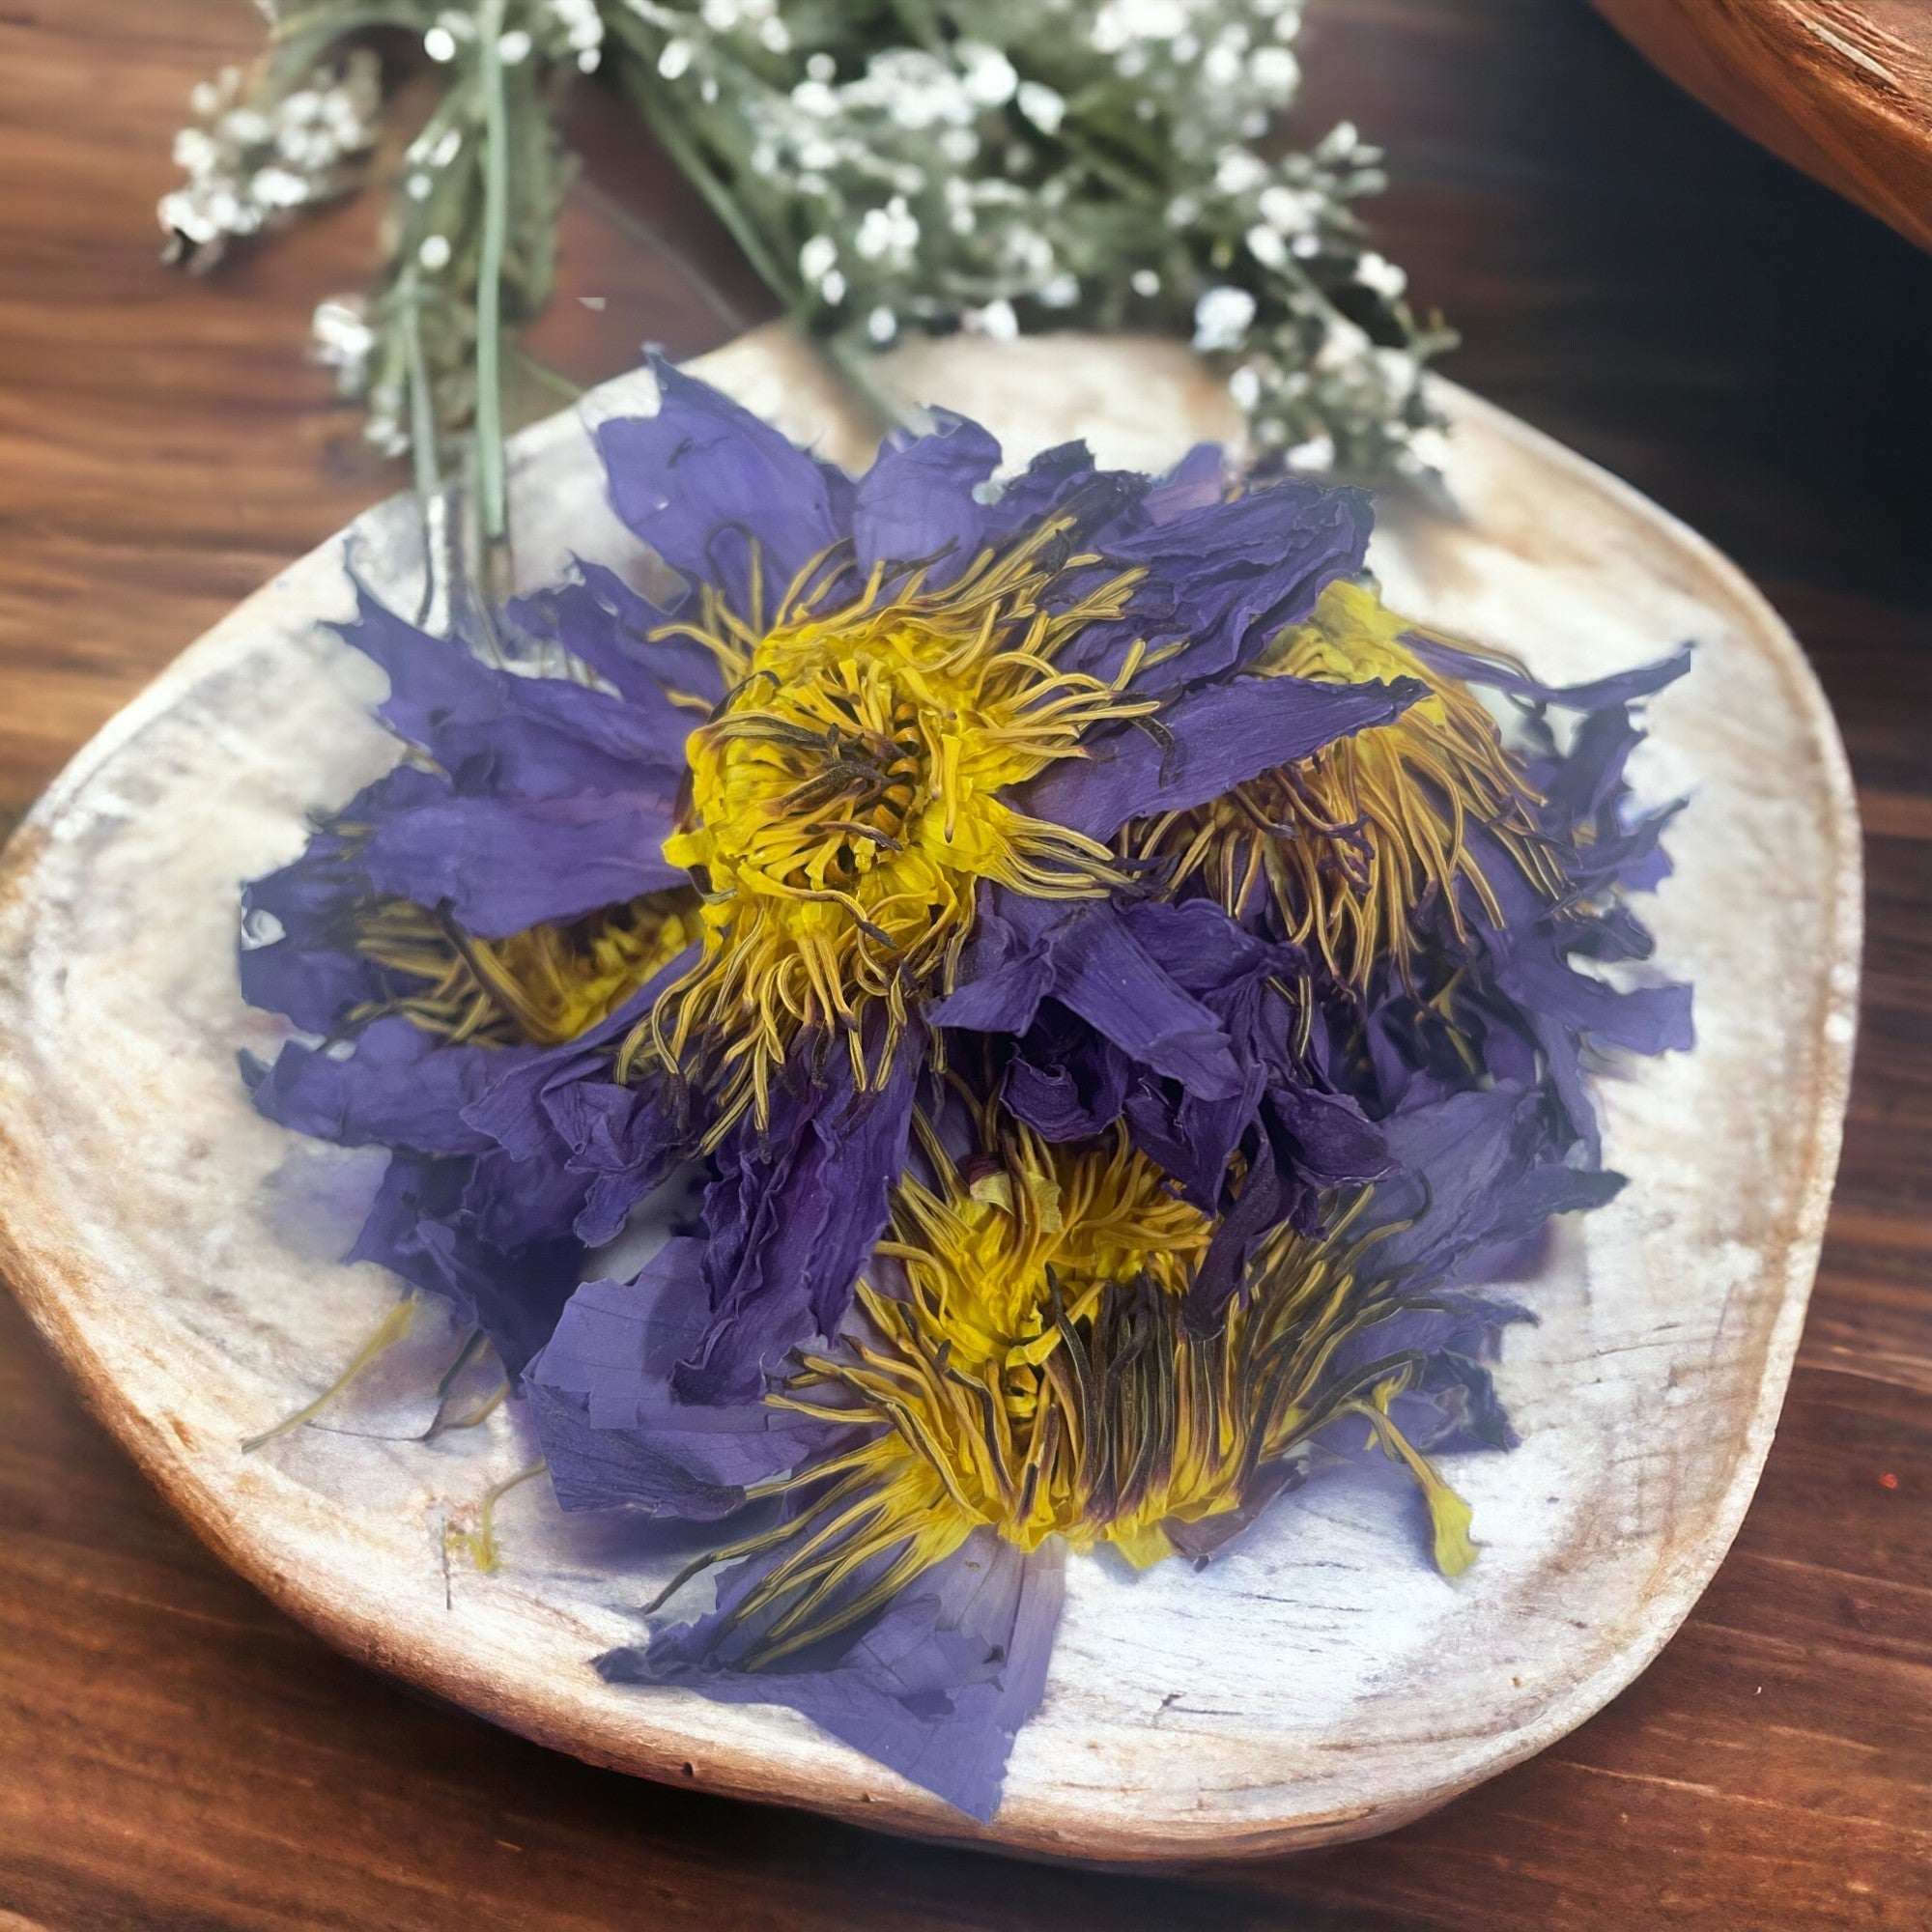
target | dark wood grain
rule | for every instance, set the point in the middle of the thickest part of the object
(1843, 88)
(1628, 276)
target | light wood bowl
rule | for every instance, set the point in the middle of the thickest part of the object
(1322, 1682)
(1840, 88)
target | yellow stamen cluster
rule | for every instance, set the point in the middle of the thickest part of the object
(846, 801)
(1355, 842)
(1036, 1375)
(544, 986)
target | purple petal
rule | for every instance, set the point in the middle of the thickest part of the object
(916, 500)
(1600, 693)
(400, 1087)
(307, 971)
(1007, 969)
(935, 1688)
(418, 1228)
(497, 732)
(600, 621)
(513, 1203)
(1064, 1081)
(1479, 1171)
(794, 1215)
(1218, 737)
(612, 1431)
(1223, 579)
(1197, 482)
(561, 1106)
(723, 498)
(1104, 973)
(505, 864)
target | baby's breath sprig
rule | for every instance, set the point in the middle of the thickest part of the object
(1016, 165)
(887, 166)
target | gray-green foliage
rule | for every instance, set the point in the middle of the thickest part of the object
(887, 165)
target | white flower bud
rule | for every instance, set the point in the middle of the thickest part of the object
(1221, 319)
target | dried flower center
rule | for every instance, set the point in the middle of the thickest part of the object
(543, 986)
(1036, 1376)
(1357, 845)
(847, 798)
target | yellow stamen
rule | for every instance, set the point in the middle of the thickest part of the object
(1355, 842)
(1034, 1374)
(847, 800)
(546, 986)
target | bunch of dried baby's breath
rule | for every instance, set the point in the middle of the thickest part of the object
(887, 166)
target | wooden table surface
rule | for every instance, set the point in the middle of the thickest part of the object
(1630, 276)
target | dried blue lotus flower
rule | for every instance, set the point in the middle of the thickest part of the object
(1019, 1378)
(1439, 877)
(838, 762)
(1121, 988)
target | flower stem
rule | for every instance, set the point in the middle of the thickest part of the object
(490, 454)
(438, 565)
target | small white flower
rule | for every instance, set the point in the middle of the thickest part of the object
(1221, 319)
(1343, 344)
(1144, 283)
(1291, 210)
(1222, 67)
(996, 319)
(893, 229)
(1275, 71)
(1042, 106)
(514, 47)
(434, 252)
(676, 58)
(882, 325)
(181, 216)
(821, 67)
(1245, 385)
(817, 258)
(1317, 453)
(987, 75)
(1237, 171)
(440, 45)
(1374, 272)
(278, 187)
(194, 151)
(1427, 447)
(1063, 290)
(1399, 368)
(833, 288)
(1265, 246)
(1119, 24)
(1339, 143)
(343, 338)
(244, 126)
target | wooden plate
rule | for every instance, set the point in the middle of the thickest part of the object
(1840, 88)
(1322, 1682)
